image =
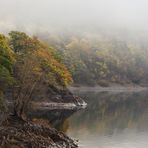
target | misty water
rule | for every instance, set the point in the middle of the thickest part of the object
(111, 120)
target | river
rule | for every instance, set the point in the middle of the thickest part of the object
(111, 120)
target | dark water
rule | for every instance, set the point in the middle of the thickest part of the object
(111, 120)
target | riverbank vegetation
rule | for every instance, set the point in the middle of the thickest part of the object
(29, 69)
(27, 65)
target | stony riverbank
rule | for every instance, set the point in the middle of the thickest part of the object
(17, 133)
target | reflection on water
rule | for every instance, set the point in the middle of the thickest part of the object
(111, 120)
(57, 118)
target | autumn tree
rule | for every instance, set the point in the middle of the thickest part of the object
(7, 60)
(35, 70)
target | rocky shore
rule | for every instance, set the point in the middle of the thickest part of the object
(17, 133)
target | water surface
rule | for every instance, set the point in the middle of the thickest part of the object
(111, 120)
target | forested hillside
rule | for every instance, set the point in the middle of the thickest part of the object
(32, 78)
(29, 69)
(102, 59)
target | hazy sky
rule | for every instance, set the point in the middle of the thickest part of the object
(46, 14)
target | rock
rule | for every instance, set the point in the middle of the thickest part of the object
(16, 133)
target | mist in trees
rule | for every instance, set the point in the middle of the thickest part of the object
(100, 59)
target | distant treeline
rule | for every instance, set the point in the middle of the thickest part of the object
(102, 60)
